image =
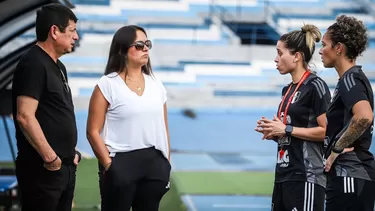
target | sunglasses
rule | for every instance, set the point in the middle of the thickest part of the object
(140, 45)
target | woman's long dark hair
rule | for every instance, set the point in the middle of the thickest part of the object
(117, 59)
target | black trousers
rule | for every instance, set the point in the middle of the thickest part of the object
(137, 179)
(350, 194)
(44, 190)
(297, 196)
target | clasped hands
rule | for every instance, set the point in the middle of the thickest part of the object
(275, 128)
(270, 128)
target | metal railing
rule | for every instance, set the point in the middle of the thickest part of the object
(270, 15)
(219, 15)
(214, 6)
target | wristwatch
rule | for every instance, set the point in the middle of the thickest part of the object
(288, 130)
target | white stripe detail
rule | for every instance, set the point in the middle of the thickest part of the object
(318, 89)
(309, 201)
(352, 79)
(349, 185)
(305, 201)
(309, 197)
(321, 85)
(312, 197)
(349, 82)
(346, 84)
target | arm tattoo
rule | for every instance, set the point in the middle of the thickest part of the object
(356, 128)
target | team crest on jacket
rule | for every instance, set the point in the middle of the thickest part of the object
(296, 97)
(334, 94)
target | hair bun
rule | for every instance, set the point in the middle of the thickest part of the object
(313, 30)
(308, 28)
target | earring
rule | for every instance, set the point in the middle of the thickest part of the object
(338, 53)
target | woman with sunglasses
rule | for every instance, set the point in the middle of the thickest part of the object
(350, 166)
(127, 127)
(299, 127)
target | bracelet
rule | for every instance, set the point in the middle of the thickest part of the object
(48, 163)
(79, 156)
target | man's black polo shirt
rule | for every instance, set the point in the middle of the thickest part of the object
(39, 77)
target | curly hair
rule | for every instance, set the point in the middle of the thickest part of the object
(302, 41)
(351, 32)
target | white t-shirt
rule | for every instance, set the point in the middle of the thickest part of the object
(134, 122)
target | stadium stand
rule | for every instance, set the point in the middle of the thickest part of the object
(215, 57)
(205, 46)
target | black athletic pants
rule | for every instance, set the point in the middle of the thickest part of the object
(297, 196)
(350, 194)
(137, 179)
(44, 190)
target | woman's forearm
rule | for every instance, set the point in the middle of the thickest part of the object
(310, 134)
(99, 148)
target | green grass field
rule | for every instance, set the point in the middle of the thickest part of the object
(251, 183)
(6, 164)
(87, 196)
(225, 183)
